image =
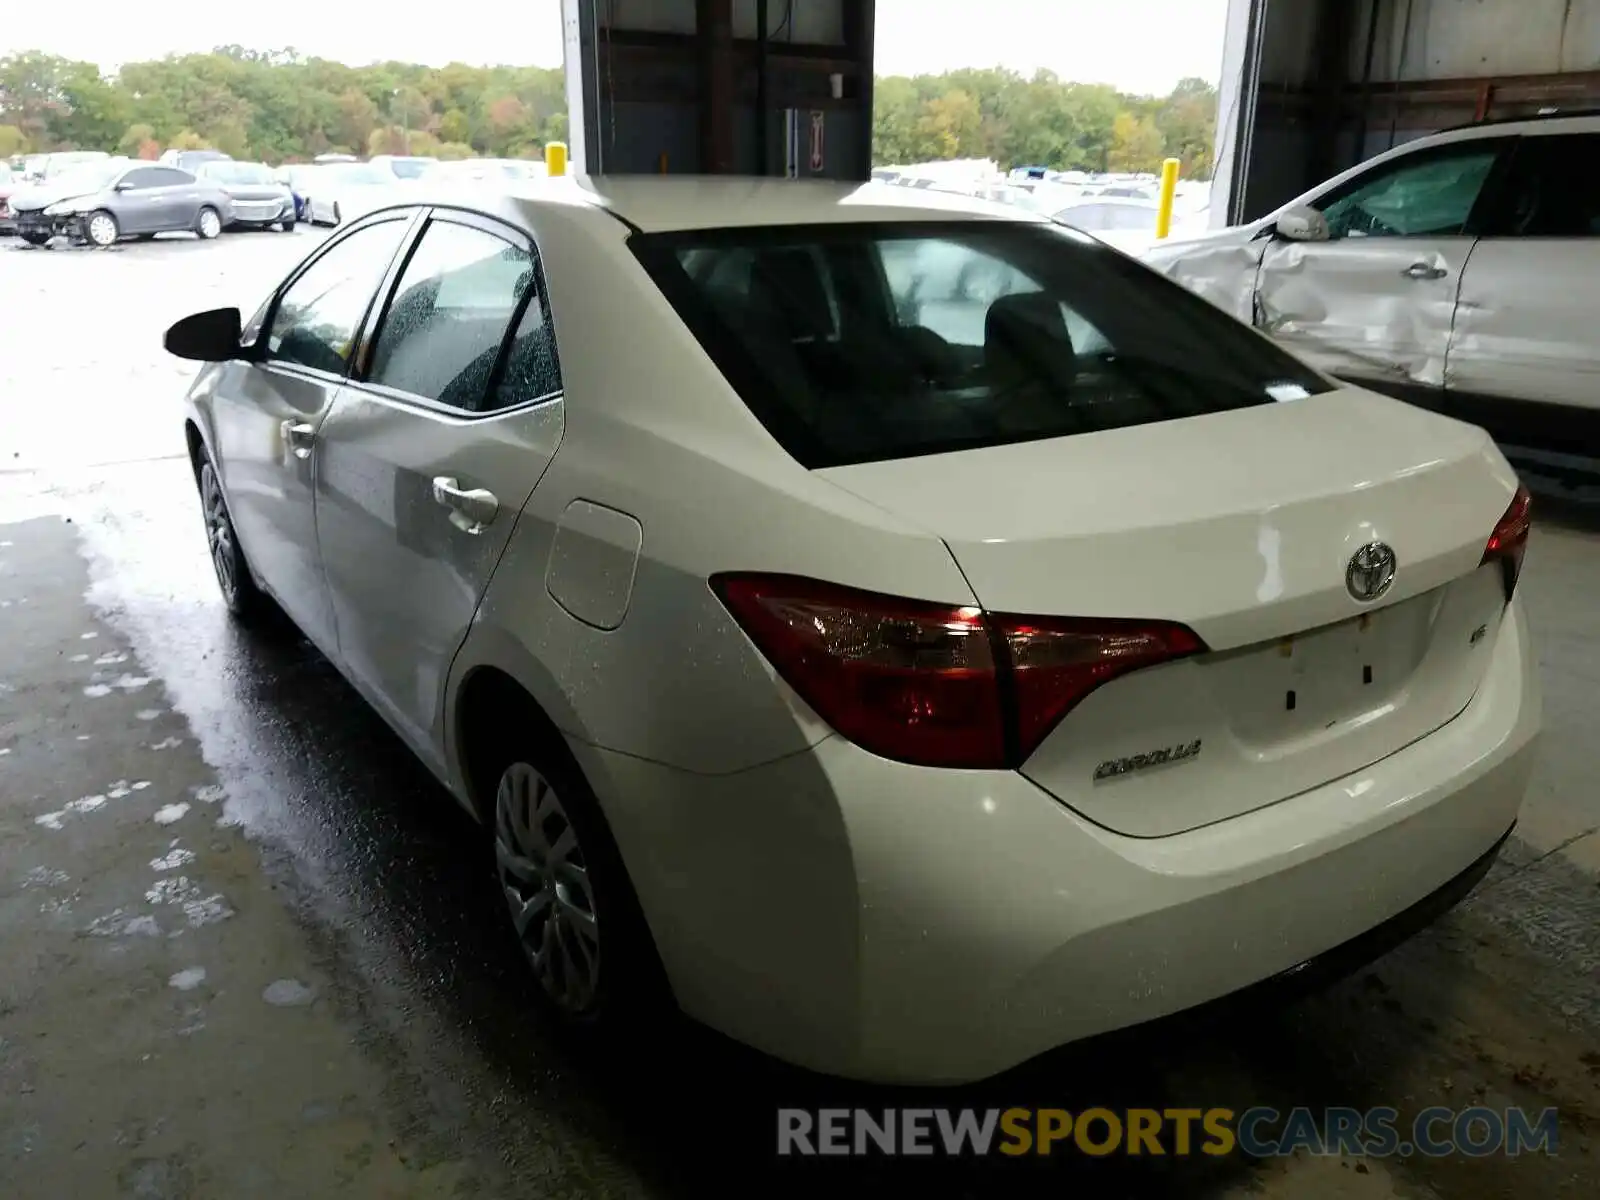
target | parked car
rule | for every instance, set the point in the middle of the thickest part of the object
(342, 191)
(1127, 224)
(403, 166)
(297, 178)
(42, 167)
(485, 170)
(191, 160)
(256, 199)
(101, 202)
(901, 705)
(1456, 271)
(9, 182)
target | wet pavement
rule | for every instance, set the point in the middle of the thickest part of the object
(249, 947)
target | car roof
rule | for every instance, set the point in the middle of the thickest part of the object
(657, 204)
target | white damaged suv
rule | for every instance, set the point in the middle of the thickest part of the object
(1457, 271)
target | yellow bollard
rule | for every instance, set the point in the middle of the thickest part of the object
(555, 158)
(1169, 190)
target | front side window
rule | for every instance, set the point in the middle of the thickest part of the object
(1430, 195)
(858, 343)
(1552, 189)
(142, 177)
(457, 297)
(317, 317)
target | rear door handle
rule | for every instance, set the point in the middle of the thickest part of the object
(470, 508)
(1424, 271)
(300, 436)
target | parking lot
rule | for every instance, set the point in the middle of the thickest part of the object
(248, 947)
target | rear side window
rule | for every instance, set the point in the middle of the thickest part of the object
(858, 343)
(456, 300)
(1552, 189)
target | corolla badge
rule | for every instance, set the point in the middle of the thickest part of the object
(1370, 572)
(1114, 767)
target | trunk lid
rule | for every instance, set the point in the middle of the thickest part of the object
(1240, 525)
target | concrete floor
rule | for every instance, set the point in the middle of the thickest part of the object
(248, 948)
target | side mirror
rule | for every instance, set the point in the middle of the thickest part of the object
(1302, 224)
(124, 186)
(211, 336)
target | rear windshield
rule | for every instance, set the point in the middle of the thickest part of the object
(857, 343)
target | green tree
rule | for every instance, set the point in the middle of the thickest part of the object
(952, 123)
(1136, 144)
(12, 141)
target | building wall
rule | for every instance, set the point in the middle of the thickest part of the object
(1309, 109)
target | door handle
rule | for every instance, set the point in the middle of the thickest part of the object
(299, 436)
(470, 508)
(1424, 271)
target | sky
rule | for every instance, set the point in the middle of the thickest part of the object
(1138, 45)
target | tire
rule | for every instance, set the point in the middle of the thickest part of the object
(207, 223)
(572, 907)
(287, 226)
(36, 239)
(240, 593)
(100, 229)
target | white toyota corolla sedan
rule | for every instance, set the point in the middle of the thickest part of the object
(905, 634)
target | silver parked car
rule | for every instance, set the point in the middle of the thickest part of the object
(256, 197)
(102, 202)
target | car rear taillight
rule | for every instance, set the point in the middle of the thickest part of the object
(1509, 541)
(933, 684)
(1056, 662)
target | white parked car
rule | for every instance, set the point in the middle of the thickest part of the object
(404, 167)
(336, 192)
(903, 704)
(1457, 271)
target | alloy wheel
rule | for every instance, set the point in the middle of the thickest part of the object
(219, 534)
(210, 224)
(102, 229)
(545, 878)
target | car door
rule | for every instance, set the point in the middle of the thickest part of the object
(1375, 301)
(266, 413)
(1524, 361)
(433, 447)
(177, 198)
(137, 206)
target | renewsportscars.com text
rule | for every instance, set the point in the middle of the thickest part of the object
(1259, 1132)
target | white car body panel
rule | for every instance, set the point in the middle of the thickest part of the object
(1350, 308)
(1536, 342)
(917, 926)
(809, 897)
(379, 524)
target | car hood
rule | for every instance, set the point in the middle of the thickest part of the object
(43, 196)
(254, 191)
(1220, 266)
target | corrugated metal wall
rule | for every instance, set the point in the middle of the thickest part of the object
(1314, 86)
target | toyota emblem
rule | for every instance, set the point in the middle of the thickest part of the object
(1370, 572)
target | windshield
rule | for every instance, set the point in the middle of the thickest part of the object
(86, 177)
(858, 343)
(64, 164)
(356, 174)
(409, 168)
(237, 172)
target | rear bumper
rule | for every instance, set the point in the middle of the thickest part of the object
(874, 920)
